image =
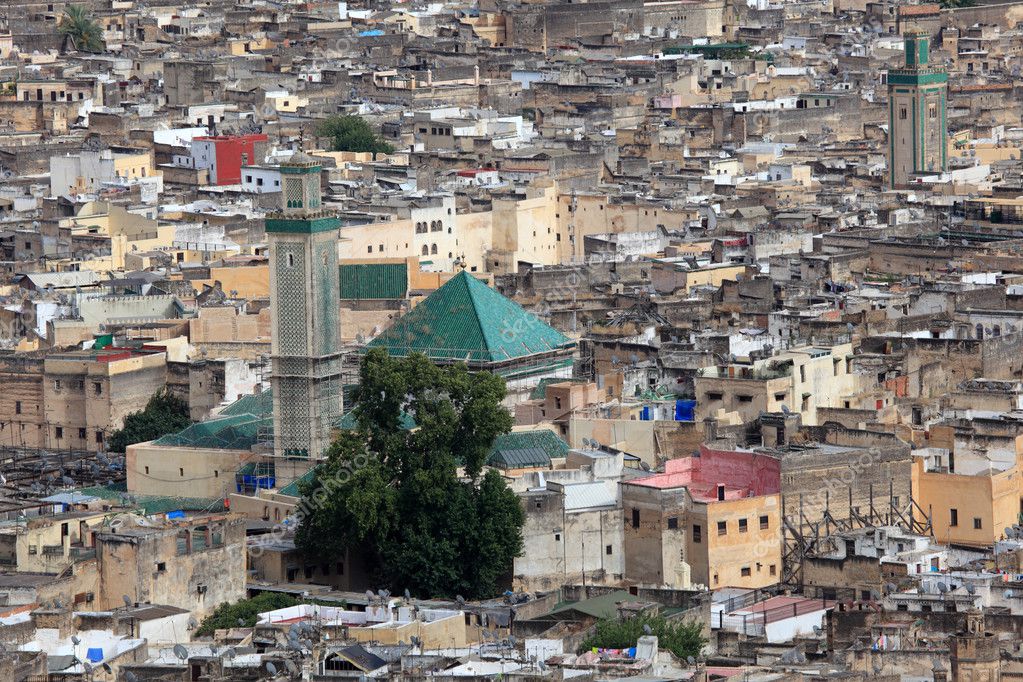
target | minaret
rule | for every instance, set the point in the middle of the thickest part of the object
(305, 308)
(917, 125)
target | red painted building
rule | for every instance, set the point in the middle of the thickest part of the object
(224, 155)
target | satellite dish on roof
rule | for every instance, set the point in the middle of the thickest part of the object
(126, 599)
(181, 652)
(271, 668)
(971, 588)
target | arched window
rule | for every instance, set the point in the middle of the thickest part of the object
(996, 330)
(980, 331)
(426, 250)
(433, 249)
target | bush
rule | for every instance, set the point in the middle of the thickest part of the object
(680, 637)
(248, 610)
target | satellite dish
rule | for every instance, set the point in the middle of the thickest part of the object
(271, 668)
(290, 665)
(971, 588)
(408, 595)
(181, 652)
(127, 600)
(75, 640)
(241, 622)
(690, 660)
(647, 630)
(230, 653)
(942, 587)
(129, 676)
(785, 409)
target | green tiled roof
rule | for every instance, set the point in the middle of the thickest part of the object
(232, 432)
(292, 488)
(522, 449)
(259, 404)
(374, 280)
(467, 320)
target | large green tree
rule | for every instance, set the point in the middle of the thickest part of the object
(352, 134)
(395, 496)
(164, 413)
(78, 26)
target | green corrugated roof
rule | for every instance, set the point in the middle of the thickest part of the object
(521, 449)
(467, 320)
(604, 606)
(153, 504)
(374, 280)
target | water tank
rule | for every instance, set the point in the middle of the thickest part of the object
(685, 410)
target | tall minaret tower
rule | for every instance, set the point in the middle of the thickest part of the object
(305, 309)
(917, 126)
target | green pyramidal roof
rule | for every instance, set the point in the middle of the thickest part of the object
(467, 320)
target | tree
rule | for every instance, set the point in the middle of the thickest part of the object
(681, 637)
(164, 413)
(394, 495)
(244, 613)
(77, 26)
(352, 134)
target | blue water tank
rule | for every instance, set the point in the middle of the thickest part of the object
(94, 655)
(645, 414)
(685, 410)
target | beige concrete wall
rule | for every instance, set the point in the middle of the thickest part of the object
(182, 472)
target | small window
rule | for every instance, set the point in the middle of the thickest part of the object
(97, 388)
(608, 550)
(557, 537)
(953, 519)
(58, 432)
(697, 533)
(977, 525)
(672, 522)
(181, 472)
(161, 567)
(773, 569)
(902, 113)
(722, 527)
(147, 471)
(635, 518)
(81, 434)
(765, 523)
(746, 572)
(743, 526)
(17, 407)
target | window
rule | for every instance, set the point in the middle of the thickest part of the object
(697, 534)
(99, 437)
(608, 550)
(746, 572)
(56, 384)
(380, 248)
(433, 249)
(58, 432)
(635, 518)
(932, 110)
(722, 527)
(426, 250)
(743, 526)
(765, 523)
(977, 525)
(181, 471)
(81, 434)
(672, 522)
(308, 571)
(773, 569)
(369, 248)
(97, 388)
(147, 471)
(557, 537)
(902, 113)
(17, 407)
(161, 567)
(291, 260)
(953, 519)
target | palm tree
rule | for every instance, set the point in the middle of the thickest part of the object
(77, 26)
